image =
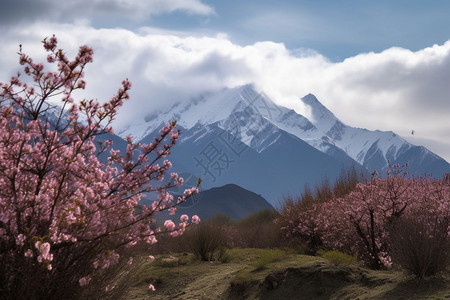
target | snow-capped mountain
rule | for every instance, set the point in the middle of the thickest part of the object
(372, 149)
(240, 136)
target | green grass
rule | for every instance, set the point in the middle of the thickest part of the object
(267, 257)
(162, 268)
(338, 257)
(258, 263)
(245, 270)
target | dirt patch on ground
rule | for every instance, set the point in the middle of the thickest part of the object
(204, 280)
(212, 285)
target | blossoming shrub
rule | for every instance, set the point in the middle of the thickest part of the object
(366, 220)
(419, 242)
(359, 220)
(303, 220)
(66, 217)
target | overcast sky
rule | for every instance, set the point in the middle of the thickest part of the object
(375, 64)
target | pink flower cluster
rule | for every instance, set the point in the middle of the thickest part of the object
(85, 280)
(361, 221)
(184, 222)
(56, 194)
(44, 252)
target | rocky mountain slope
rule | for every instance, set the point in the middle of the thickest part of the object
(240, 136)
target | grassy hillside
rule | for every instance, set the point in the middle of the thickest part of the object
(273, 274)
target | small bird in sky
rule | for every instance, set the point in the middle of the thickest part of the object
(412, 132)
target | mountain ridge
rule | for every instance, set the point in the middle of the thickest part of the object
(228, 135)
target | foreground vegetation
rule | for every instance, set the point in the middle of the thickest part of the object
(69, 202)
(219, 259)
(395, 220)
(252, 273)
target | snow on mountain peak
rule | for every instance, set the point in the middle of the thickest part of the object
(360, 144)
(205, 109)
(257, 122)
(320, 116)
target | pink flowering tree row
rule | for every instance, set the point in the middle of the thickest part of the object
(65, 217)
(366, 220)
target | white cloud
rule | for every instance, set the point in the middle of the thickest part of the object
(396, 89)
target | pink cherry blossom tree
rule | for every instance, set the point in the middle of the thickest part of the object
(395, 219)
(420, 241)
(305, 220)
(66, 217)
(365, 220)
(359, 220)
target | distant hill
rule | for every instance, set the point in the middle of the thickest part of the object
(230, 199)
